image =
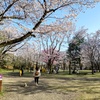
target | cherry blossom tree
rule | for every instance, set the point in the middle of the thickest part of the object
(30, 52)
(52, 43)
(5, 49)
(91, 51)
(51, 57)
(38, 14)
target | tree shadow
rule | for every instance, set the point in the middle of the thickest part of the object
(75, 78)
(16, 74)
(19, 87)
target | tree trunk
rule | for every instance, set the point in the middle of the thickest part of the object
(50, 69)
(92, 67)
(13, 68)
(80, 64)
(64, 66)
(69, 67)
(49, 65)
(99, 67)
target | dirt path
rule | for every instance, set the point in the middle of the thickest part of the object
(48, 89)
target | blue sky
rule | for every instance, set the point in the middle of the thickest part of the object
(90, 19)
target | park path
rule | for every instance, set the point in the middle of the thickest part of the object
(15, 90)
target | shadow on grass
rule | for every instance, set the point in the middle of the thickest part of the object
(17, 74)
(72, 87)
(20, 88)
(43, 87)
(66, 78)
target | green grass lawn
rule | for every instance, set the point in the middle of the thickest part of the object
(87, 85)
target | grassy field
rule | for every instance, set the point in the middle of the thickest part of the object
(87, 85)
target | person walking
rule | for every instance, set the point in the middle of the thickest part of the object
(37, 74)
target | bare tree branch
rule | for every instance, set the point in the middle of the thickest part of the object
(12, 17)
(46, 13)
(1, 15)
(16, 40)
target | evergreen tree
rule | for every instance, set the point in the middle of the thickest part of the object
(74, 50)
